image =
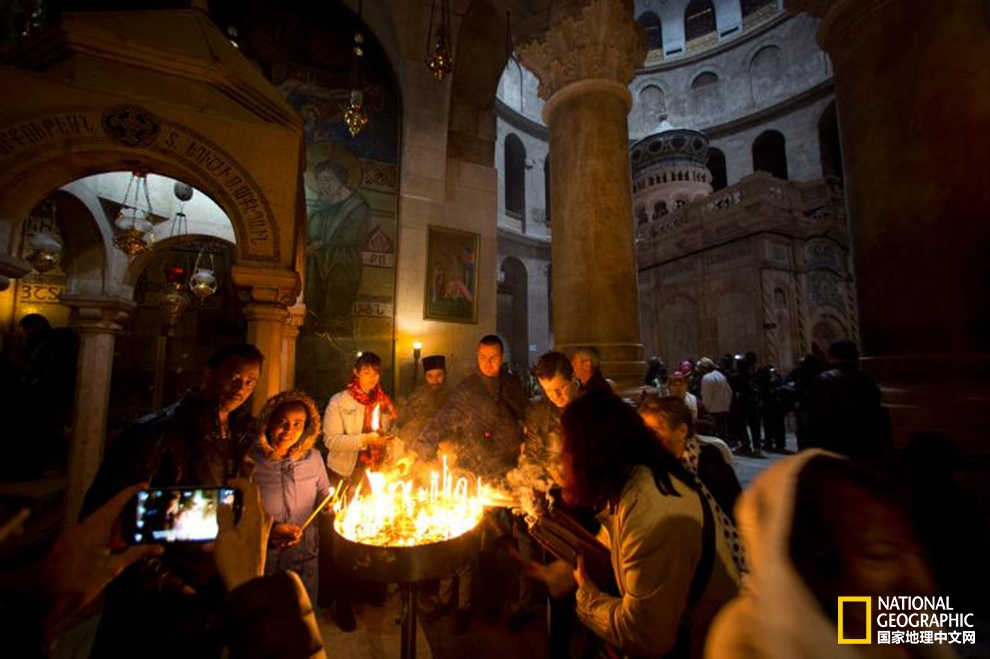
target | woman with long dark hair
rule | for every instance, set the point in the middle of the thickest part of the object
(672, 568)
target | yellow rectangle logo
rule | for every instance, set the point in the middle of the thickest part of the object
(855, 641)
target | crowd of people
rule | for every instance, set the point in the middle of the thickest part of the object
(835, 405)
(696, 567)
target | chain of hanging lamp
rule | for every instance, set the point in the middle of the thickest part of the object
(439, 60)
(355, 115)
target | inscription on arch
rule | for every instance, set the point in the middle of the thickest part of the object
(31, 140)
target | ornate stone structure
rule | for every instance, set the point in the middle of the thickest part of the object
(669, 170)
(762, 265)
(584, 62)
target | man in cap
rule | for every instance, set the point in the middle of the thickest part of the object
(427, 399)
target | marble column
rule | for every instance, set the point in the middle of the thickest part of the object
(584, 62)
(269, 293)
(297, 315)
(911, 81)
(97, 321)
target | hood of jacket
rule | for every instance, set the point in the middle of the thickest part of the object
(310, 434)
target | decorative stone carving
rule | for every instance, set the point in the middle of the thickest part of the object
(130, 125)
(586, 41)
(822, 254)
(826, 290)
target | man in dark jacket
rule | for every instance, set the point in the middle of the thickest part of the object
(168, 606)
(846, 415)
(587, 365)
(482, 417)
(482, 420)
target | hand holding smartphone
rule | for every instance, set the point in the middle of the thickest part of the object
(166, 515)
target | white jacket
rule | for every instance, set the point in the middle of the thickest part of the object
(655, 542)
(343, 425)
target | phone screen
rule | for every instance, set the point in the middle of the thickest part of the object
(181, 514)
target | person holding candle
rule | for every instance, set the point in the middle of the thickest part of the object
(674, 570)
(293, 481)
(352, 432)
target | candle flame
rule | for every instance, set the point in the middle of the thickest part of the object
(405, 511)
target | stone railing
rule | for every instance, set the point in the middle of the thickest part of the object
(814, 200)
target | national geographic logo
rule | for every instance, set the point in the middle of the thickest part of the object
(854, 601)
(902, 620)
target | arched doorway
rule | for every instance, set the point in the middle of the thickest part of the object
(515, 179)
(512, 320)
(716, 165)
(770, 154)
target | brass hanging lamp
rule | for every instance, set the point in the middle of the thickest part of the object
(438, 57)
(355, 115)
(46, 248)
(134, 219)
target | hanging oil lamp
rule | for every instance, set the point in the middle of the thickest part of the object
(439, 59)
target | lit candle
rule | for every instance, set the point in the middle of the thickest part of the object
(374, 419)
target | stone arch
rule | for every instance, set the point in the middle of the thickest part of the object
(706, 94)
(135, 139)
(654, 29)
(699, 19)
(827, 328)
(513, 319)
(766, 73)
(651, 106)
(515, 177)
(770, 154)
(716, 165)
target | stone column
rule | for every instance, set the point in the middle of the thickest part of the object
(269, 293)
(297, 315)
(584, 62)
(97, 321)
(913, 128)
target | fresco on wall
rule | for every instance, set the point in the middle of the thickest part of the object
(350, 186)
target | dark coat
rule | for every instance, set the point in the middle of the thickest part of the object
(168, 606)
(846, 415)
(597, 382)
(485, 423)
(271, 618)
(417, 410)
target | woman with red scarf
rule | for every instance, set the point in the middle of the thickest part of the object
(354, 446)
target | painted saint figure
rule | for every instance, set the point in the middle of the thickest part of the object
(339, 220)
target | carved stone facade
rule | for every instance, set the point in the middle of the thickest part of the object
(762, 265)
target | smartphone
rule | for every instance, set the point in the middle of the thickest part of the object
(164, 515)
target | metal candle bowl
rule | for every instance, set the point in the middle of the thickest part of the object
(404, 564)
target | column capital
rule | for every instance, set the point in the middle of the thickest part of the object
(586, 40)
(266, 285)
(98, 314)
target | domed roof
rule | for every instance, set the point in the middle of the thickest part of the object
(670, 146)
